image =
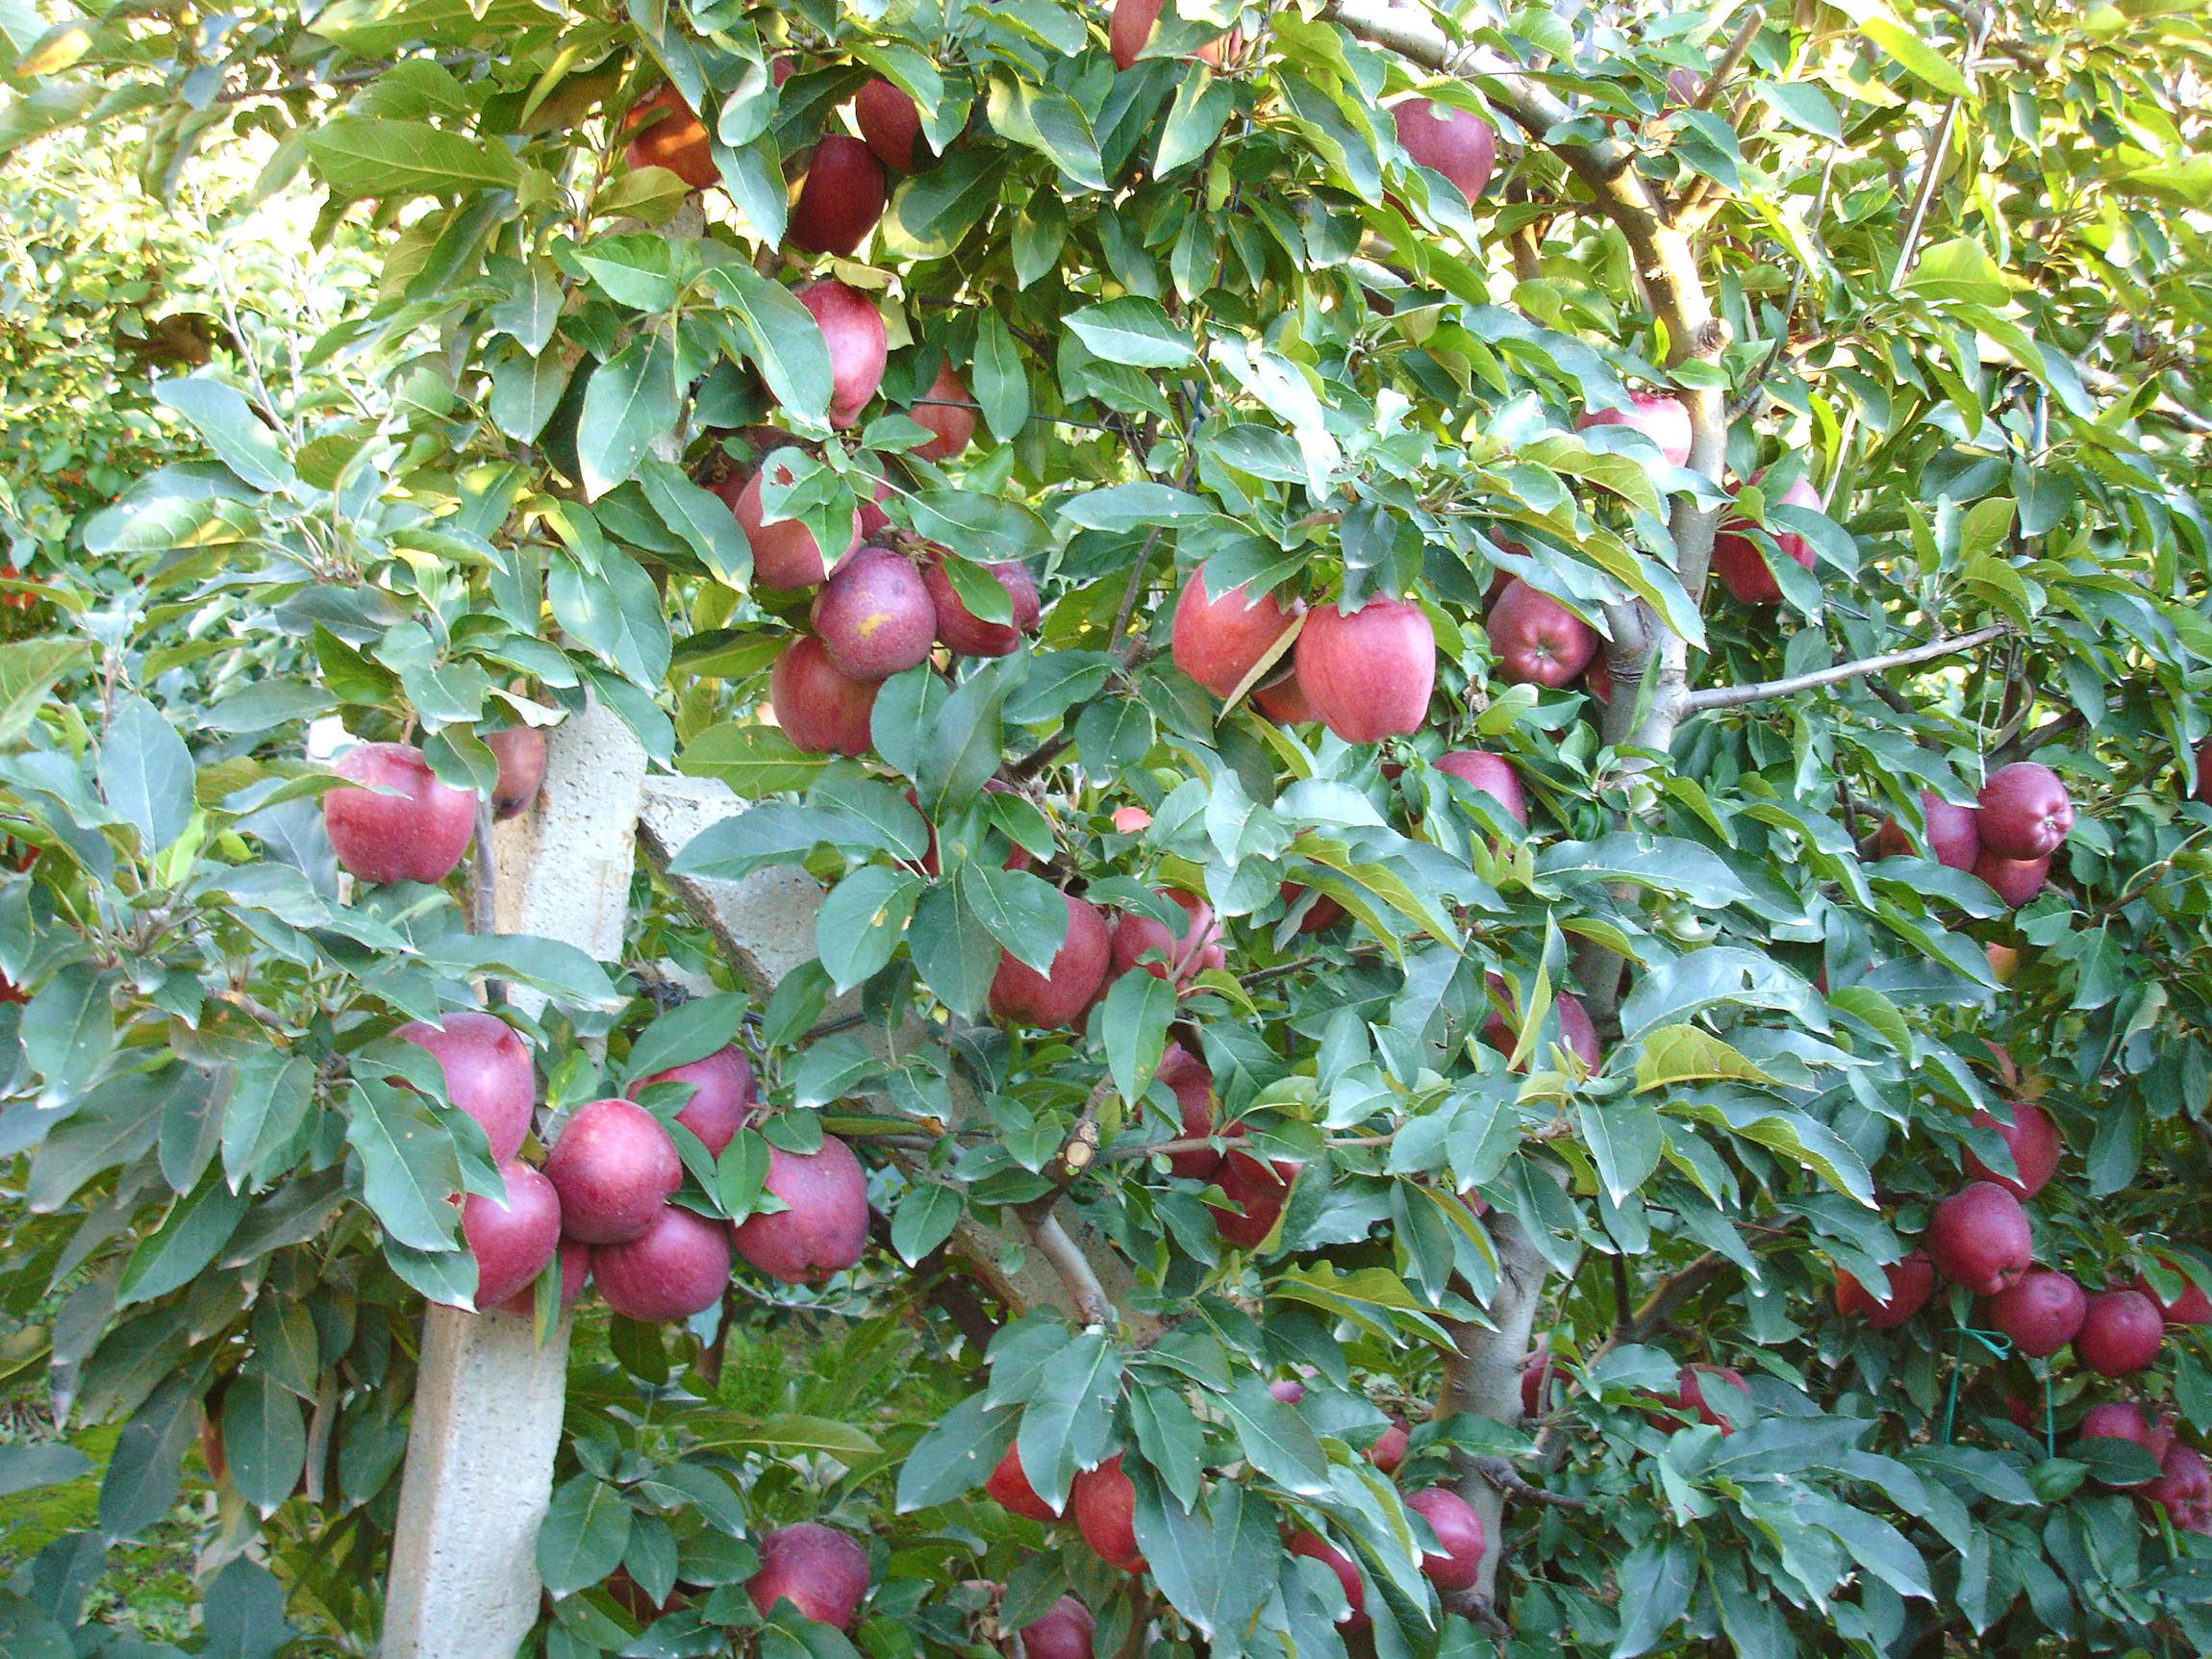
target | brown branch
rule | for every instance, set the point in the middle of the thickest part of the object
(1746, 33)
(1500, 1474)
(1070, 1262)
(2049, 732)
(1760, 691)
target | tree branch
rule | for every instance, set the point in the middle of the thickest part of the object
(1746, 33)
(1759, 690)
(1070, 1262)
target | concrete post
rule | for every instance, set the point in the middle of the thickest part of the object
(488, 1398)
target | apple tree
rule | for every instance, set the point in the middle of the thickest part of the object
(1502, 719)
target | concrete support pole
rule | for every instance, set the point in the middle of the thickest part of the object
(488, 1398)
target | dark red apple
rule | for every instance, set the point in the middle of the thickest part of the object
(2183, 1489)
(2026, 813)
(1314, 1547)
(721, 1095)
(2036, 1148)
(1064, 1632)
(785, 553)
(1536, 639)
(2120, 1332)
(1457, 1528)
(2014, 880)
(1494, 775)
(1912, 1281)
(1262, 1187)
(820, 1571)
(1009, 1484)
(1197, 948)
(858, 346)
(401, 824)
(1130, 27)
(487, 1068)
(1389, 1448)
(1325, 914)
(520, 752)
(512, 1241)
(964, 632)
(2192, 1307)
(1664, 420)
(615, 1168)
(1284, 701)
(1061, 998)
(678, 1267)
(873, 616)
(1103, 1502)
(890, 122)
(823, 1227)
(2204, 791)
(1538, 1374)
(1369, 675)
(1576, 1028)
(1192, 1085)
(948, 410)
(1978, 1238)
(873, 520)
(1288, 1390)
(2041, 1313)
(675, 139)
(2124, 1419)
(575, 1270)
(1951, 833)
(844, 195)
(1738, 561)
(818, 709)
(1457, 143)
(1218, 639)
(1690, 1384)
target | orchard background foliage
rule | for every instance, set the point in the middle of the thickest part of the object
(1933, 274)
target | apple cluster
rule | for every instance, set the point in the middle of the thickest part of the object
(2007, 838)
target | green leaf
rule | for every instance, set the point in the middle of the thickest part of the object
(586, 1529)
(1047, 120)
(146, 774)
(924, 1220)
(753, 759)
(1918, 58)
(1025, 914)
(998, 379)
(861, 922)
(794, 1431)
(615, 611)
(1201, 109)
(952, 950)
(1134, 331)
(1275, 1439)
(688, 1032)
(374, 157)
(631, 400)
(1804, 106)
(1960, 270)
(195, 1228)
(957, 1454)
(23, 1467)
(701, 518)
(29, 671)
(1134, 1024)
(1133, 506)
(1067, 1423)
(409, 1169)
(1656, 1581)
(222, 415)
(960, 750)
(264, 1437)
(782, 340)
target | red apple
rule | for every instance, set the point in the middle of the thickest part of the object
(575, 1270)
(1061, 998)
(964, 632)
(1314, 1547)
(1288, 1390)
(1664, 420)
(675, 139)
(1103, 1502)
(818, 709)
(1130, 27)
(858, 346)
(1457, 1528)
(1978, 1238)
(2041, 1313)
(1912, 1281)
(785, 553)
(2122, 1420)
(520, 752)
(948, 410)
(872, 519)
(2204, 791)
(1457, 143)
(721, 1095)
(2036, 1148)
(401, 824)
(512, 1239)
(1536, 639)
(1576, 1028)
(1131, 820)
(2183, 1489)
(1389, 1448)
(2014, 880)
(844, 195)
(1192, 1085)
(2192, 1307)
(1690, 1384)
(1218, 639)
(1197, 948)
(1009, 1484)
(1538, 1374)
(1324, 914)
(1951, 833)
(890, 122)
(1738, 561)
(678, 1267)
(873, 616)
(1262, 1187)
(2026, 813)
(822, 1228)
(1064, 1632)
(487, 1068)
(2120, 1332)
(1492, 774)
(1284, 701)
(1369, 674)
(820, 1571)
(615, 1168)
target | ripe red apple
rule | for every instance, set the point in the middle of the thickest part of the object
(1325, 914)
(675, 139)
(1130, 27)
(1951, 833)
(2036, 1148)
(785, 553)
(873, 520)
(964, 632)
(2026, 813)
(1284, 701)
(1218, 639)
(1536, 639)
(1457, 143)
(1192, 1085)
(1576, 1028)
(1288, 1390)
(818, 709)
(1912, 1281)
(615, 1168)
(2204, 791)
(948, 410)
(1262, 1187)
(520, 752)
(1538, 1372)
(819, 1570)
(1064, 1632)
(2124, 1419)
(1389, 1448)
(512, 1241)
(402, 824)
(1369, 674)
(823, 1227)
(1978, 1238)
(2041, 1313)
(1314, 1547)
(1690, 1384)
(1199, 946)
(844, 195)
(1061, 998)
(1664, 420)
(678, 1267)
(1494, 775)
(1458, 1528)
(873, 616)
(1738, 561)
(721, 1095)
(858, 346)
(2183, 1489)
(487, 1068)
(2192, 1307)
(1009, 1484)
(2120, 1332)
(2014, 880)
(890, 122)
(1103, 1502)
(575, 1270)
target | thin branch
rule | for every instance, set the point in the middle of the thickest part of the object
(1747, 394)
(1759, 690)
(1070, 1263)
(1501, 1473)
(2049, 732)
(1746, 33)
